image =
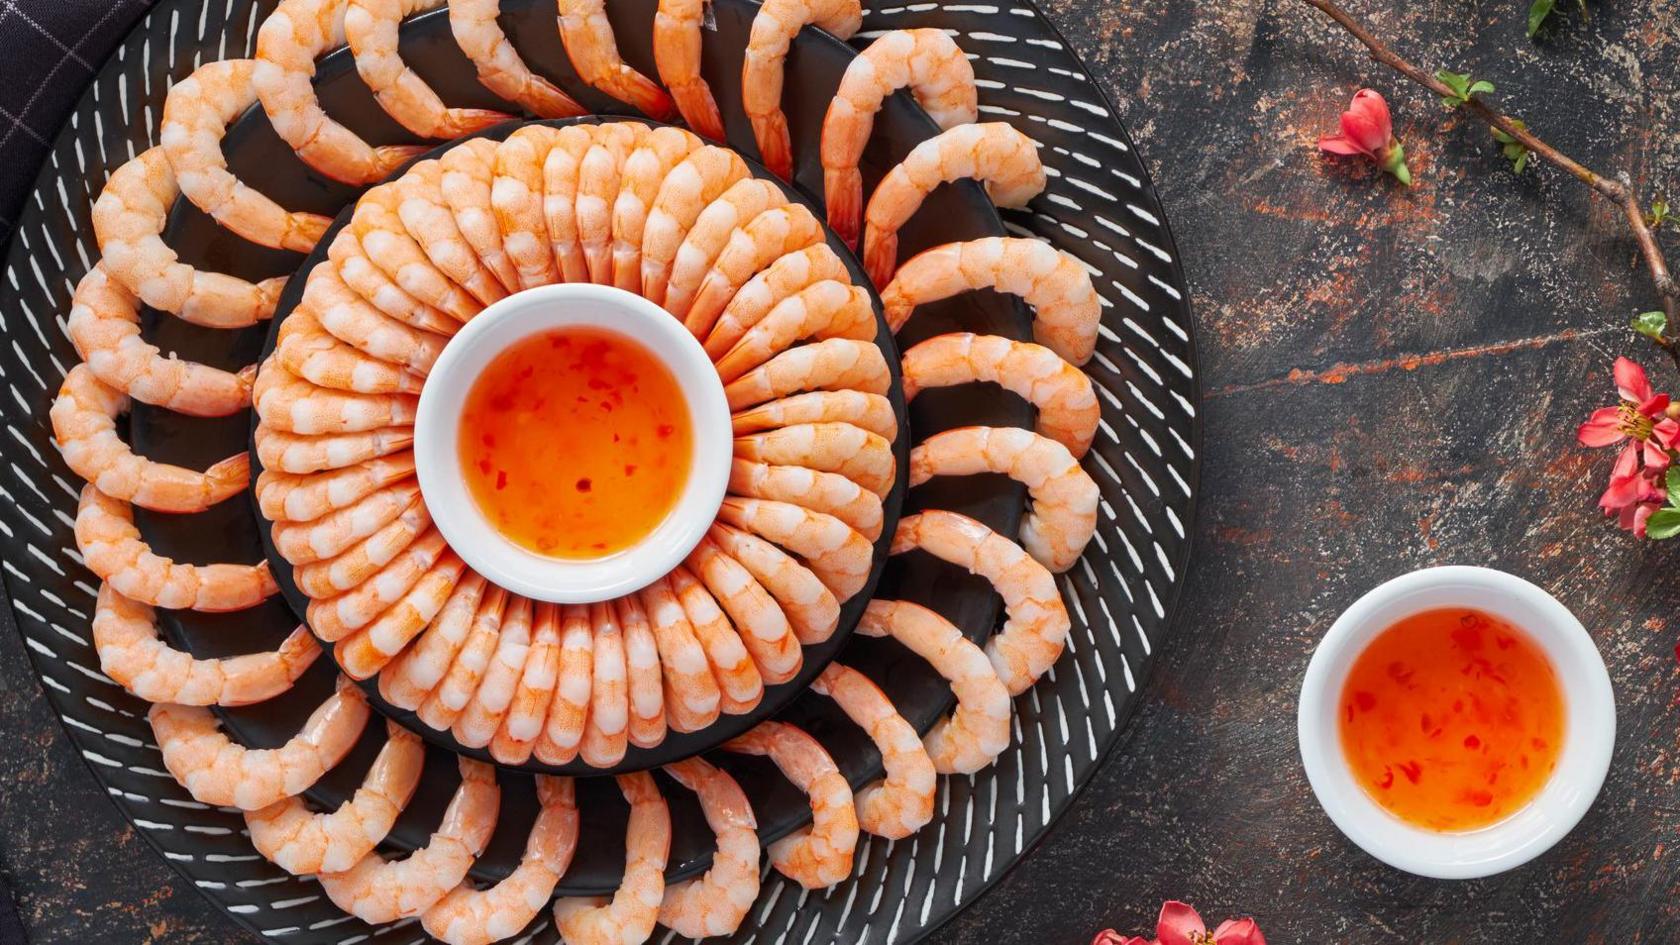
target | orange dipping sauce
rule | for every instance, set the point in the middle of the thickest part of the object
(1452, 719)
(576, 443)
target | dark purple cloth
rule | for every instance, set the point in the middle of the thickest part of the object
(49, 51)
(11, 927)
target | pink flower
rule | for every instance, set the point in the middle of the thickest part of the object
(1368, 129)
(1181, 925)
(1642, 419)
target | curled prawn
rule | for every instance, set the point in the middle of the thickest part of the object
(760, 621)
(645, 169)
(839, 556)
(466, 182)
(606, 732)
(853, 452)
(1067, 406)
(332, 534)
(716, 902)
(568, 711)
(676, 57)
(820, 311)
(588, 37)
(902, 802)
(447, 700)
(428, 218)
(734, 208)
(691, 692)
(645, 688)
(826, 492)
(600, 177)
(299, 453)
(630, 914)
(516, 199)
(819, 855)
(788, 274)
(484, 712)
(692, 185)
(335, 617)
(371, 648)
(810, 606)
(291, 404)
(112, 548)
(831, 364)
(417, 671)
(773, 29)
(500, 68)
(358, 563)
(516, 737)
(356, 271)
(767, 237)
(285, 497)
(872, 412)
(305, 348)
(740, 687)
(370, 26)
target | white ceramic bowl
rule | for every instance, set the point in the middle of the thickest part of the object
(456, 512)
(1589, 734)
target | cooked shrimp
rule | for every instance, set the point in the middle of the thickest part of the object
(599, 180)
(1062, 497)
(560, 184)
(676, 56)
(516, 198)
(773, 29)
(568, 711)
(84, 420)
(818, 491)
(362, 560)
(377, 890)
(291, 38)
(733, 209)
(824, 310)
(808, 603)
(691, 692)
(833, 364)
(641, 662)
(700, 178)
(379, 225)
(125, 635)
(414, 674)
(1036, 627)
(926, 61)
(429, 219)
(901, 803)
(517, 735)
(306, 349)
(830, 548)
(304, 843)
(819, 855)
(446, 702)
(333, 534)
(467, 183)
(359, 273)
(853, 452)
(297, 453)
(333, 618)
(634, 908)
(359, 324)
(369, 649)
(872, 412)
(477, 917)
(606, 733)
(128, 221)
(196, 115)
(644, 169)
(590, 45)
(216, 770)
(790, 273)
(1056, 284)
(484, 712)
(112, 548)
(740, 687)
(283, 497)
(973, 735)
(1004, 159)
(767, 237)
(759, 620)
(500, 69)
(1068, 411)
(715, 903)
(291, 404)
(370, 26)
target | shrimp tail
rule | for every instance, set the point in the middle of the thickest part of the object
(546, 100)
(390, 157)
(303, 231)
(639, 90)
(774, 144)
(229, 476)
(843, 189)
(880, 256)
(699, 109)
(459, 122)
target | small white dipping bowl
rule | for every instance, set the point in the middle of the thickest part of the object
(437, 456)
(1589, 728)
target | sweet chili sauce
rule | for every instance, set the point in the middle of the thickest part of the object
(1452, 719)
(576, 442)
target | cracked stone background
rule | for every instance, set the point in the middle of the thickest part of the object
(1391, 380)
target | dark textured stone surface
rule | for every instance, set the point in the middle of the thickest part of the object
(1392, 380)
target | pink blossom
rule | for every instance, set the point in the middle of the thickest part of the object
(1642, 420)
(1179, 924)
(1368, 129)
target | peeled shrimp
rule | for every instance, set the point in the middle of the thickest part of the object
(84, 420)
(1004, 159)
(973, 735)
(284, 497)
(448, 699)
(1068, 411)
(291, 404)
(733, 209)
(691, 692)
(304, 843)
(773, 29)
(901, 803)
(561, 168)
(414, 674)
(196, 115)
(334, 533)
(379, 226)
(112, 548)
(819, 855)
(1037, 624)
(361, 561)
(125, 635)
(1062, 497)
(334, 618)
(807, 602)
(830, 548)
(818, 491)
(477, 917)
(568, 711)
(359, 273)
(715, 903)
(1057, 286)
(516, 199)
(366, 328)
(216, 770)
(644, 170)
(767, 237)
(428, 218)
(590, 45)
(853, 452)
(533, 691)
(606, 733)
(759, 620)
(128, 221)
(306, 349)
(297, 453)
(484, 712)
(926, 61)
(872, 412)
(740, 687)
(823, 310)
(790, 273)
(833, 364)
(645, 689)
(691, 186)
(288, 43)
(634, 908)
(377, 890)
(500, 69)
(676, 56)
(370, 26)
(599, 181)
(370, 648)
(466, 184)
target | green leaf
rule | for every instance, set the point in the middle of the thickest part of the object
(1671, 481)
(1515, 151)
(1538, 13)
(1652, 325)
(1658, 214)
(1458, 84)
(1664, 523)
